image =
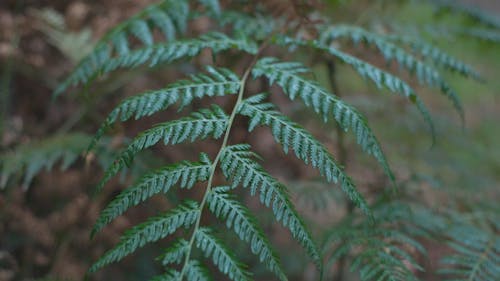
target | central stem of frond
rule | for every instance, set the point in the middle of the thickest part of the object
(214, 166)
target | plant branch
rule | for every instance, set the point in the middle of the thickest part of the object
(234, 112)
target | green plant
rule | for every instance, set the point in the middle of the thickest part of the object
(381, 239)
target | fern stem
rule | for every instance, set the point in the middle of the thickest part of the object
(214, 166)
(230, 122)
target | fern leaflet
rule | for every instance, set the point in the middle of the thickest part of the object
(197, 272)
(158, 54)
(221, 256)
(175, 253)
(199, 125)
(477, 256)
(438, 56)
(483, 34)
(212, 5)
(188, 173)
(237, 164)
(305, 146)
(287, 76)
(475, 13)
(219, 82)
(257, 26)
(34, 156)
(379, 77)
(168, 52)
(238, 217)
(152, 230)
(169, 16)
(425, 74)
(381, 251)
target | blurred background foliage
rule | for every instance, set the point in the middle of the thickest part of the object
(44, 226)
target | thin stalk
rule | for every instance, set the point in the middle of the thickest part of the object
(236, 106)
(214, 167)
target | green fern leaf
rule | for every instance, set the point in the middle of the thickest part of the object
(166, 23)
(287, 76)
(174, 15)
(425, 74)
(481, 33)
(219, 82)
(197, 272)
(152, 230)
(380, 253)
(31, 158)
(238, 217)
(473, 12)
(383, 43)
(437, 56)
(221, 256)
(187, 173)
(291, 136)
(257, 26)
(367, 71)
(477, 255)
(237, 164)
(175, 253)
(168, 52)
(157, 54)
(199, 125)
(141, 31)
(212, 5)
(140, 24)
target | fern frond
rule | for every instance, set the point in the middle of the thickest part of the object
(380, 253)
(152, 230)
(175, 253)
(391, 51)
(480, 15)
(32, 157)
(158, 54)
(437, 56)
(367, 71)
(219, 82)
(221, 256)
(199, 125)
(169, 16)
(238, 165)
(212, 5)
(483, 34)
(287, 76)
(161, 180)
(168, 52)
(425, 74)
(256, 26)
(197, 272)
(292, 136)
(477, 255)
(238, 217)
